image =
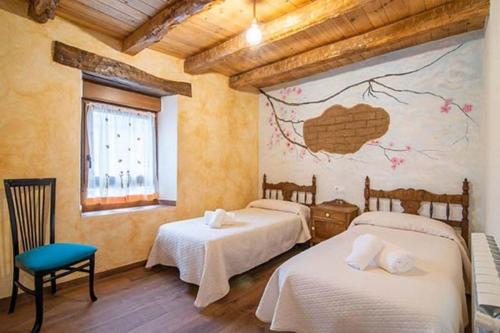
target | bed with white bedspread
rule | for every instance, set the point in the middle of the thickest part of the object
(208, 257)
(316, 291)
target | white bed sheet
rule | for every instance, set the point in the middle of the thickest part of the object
(209, 257)
(317, 291)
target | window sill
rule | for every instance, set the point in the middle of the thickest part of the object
(124, 210)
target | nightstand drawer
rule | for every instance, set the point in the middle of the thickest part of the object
(330, 220)
(325, 229)
(324, 213)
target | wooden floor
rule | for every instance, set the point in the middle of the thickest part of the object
(141, 300)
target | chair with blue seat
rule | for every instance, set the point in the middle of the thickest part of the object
(31, 204)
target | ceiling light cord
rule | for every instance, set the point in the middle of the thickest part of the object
(254, 11)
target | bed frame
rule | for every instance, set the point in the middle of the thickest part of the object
(287, 189)
(411, 201)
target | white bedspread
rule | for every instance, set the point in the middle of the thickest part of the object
(317, 292)
(209, 257)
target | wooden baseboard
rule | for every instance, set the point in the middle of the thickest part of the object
(84, 279)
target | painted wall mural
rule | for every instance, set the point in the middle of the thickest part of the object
(340, 130)
(408, 118)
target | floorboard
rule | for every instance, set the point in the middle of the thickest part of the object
(141, 300)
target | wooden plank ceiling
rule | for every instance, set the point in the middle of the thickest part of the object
(300, 37)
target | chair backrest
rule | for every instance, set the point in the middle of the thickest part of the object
(31, 205)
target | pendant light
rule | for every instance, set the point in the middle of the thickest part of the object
(254, 35)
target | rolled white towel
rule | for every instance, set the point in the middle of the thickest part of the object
(208, 216)
(364, 249)
(218, 218)
(394, 259)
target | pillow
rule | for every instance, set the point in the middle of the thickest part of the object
(282, 206)
(301, 210)
(406, 222)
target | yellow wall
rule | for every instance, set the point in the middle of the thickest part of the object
(40, 137)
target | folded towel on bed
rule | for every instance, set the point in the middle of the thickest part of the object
(208, 216)
(394, 259)
(218, 218)
(364, 249)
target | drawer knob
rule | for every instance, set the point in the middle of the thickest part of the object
(327, 214)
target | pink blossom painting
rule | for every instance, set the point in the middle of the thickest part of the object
(289, 127)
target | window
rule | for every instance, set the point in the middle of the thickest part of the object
(124, 137)
(120, 163)
(121, 155)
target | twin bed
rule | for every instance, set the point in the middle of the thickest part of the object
(265, 229)
(316, 291)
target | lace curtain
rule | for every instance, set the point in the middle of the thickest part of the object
(122, 154)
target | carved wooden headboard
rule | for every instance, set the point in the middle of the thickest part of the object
(411, 202)
(304, 194)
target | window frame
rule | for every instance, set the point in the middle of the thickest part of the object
(84, 163)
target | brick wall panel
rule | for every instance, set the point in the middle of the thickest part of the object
(344, 130)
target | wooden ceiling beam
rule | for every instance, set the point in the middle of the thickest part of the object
(42, 10)
(284, 27)
(117, 73)
(452, 18)
(153, 30)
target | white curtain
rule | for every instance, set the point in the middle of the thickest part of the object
(122, 151)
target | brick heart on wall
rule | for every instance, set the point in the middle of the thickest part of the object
(342, 130)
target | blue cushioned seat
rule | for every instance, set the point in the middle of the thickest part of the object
(53, 256)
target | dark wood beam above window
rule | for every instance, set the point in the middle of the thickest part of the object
(117, 73)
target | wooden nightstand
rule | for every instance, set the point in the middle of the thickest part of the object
(330, 218)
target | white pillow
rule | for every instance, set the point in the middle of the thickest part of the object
(282, 206)
(302, 211)
(410, 222)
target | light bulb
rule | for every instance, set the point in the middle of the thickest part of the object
(254, 35)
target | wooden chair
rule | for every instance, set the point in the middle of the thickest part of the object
(31, 205)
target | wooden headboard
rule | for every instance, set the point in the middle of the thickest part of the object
(411, 202)
(304, 194)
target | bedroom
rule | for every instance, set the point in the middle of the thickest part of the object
(401, 91)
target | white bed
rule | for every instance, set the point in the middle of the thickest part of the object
(209, 257)
(316, 291)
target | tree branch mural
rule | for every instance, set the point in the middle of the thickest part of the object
(288, 128)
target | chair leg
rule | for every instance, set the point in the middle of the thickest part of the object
(39, 303)
(53, 286)
(13, 296)
(91, 278)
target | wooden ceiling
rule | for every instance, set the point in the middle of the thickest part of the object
(119, 18)
(300, 37)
